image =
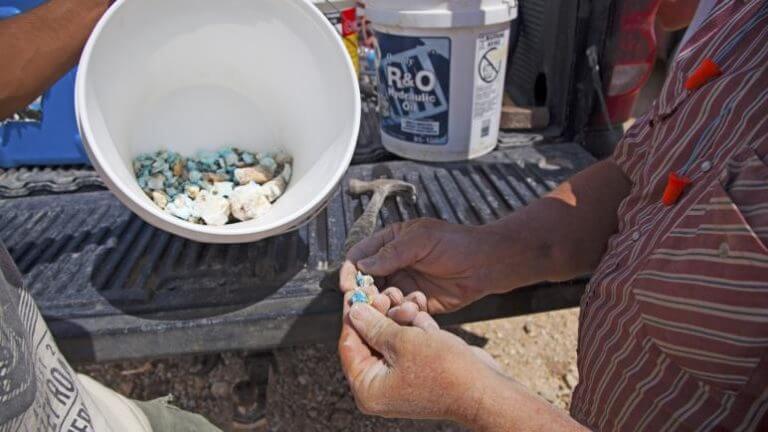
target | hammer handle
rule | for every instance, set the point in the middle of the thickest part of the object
(366, 223)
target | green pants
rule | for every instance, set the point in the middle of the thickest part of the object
(164, 417)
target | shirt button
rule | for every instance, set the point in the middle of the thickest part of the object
(706, 166)
(724, 250)
(635, 236)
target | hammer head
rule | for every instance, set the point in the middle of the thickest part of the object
(385, 186)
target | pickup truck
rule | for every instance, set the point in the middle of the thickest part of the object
(112, 287)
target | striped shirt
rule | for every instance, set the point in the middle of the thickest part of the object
(674, 324)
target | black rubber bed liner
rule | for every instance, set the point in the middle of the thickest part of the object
(113, 287)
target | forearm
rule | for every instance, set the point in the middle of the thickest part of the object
(676, 14)
(40, 46)
(507, 405)
(563, 235)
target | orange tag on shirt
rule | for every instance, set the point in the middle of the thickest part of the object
(706, 72)
(675, 187)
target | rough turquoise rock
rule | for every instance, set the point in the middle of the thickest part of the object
(248, 158)
(181, 179)
(269, 163)
(230, 157)
(207, 158)
(195, 176)
(171, 192)
(159, 166)
(363, 280)
(360, 297)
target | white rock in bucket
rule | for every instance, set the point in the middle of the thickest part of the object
(284, 158)
(287, 173)
(274, 189)
(249, 202)
(156, 182)
(257, 174)
(213, 209)
(192, 191)
(182, 207)
(160, 198)
(224, 189)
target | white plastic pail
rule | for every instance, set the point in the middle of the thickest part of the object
(190, 75)
(441, 75)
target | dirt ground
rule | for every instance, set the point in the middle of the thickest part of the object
(538, 350)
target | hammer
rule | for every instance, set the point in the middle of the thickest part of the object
(366, 223)
(381, 188)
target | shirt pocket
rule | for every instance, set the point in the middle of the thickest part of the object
(703, 292)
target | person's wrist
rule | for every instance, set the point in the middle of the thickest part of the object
(517, 256)
(474, 390)
(497, 256)
(99, 6)
(87, 12)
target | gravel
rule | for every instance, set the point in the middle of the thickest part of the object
(307, 391)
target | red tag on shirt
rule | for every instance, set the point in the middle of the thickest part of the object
(675, 187)
(706, 72)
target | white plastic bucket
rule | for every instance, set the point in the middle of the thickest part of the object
(441, 75)
(188, 75)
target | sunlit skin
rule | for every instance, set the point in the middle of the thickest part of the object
(40, 46)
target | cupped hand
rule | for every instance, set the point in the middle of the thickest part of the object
(400, 364)
(453, 265)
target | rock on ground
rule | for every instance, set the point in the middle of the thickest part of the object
(537, 350)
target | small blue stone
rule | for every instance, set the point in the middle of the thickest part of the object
(207, 158)
(230, 157)
(359, 297)
(249, 158)
(268, 162)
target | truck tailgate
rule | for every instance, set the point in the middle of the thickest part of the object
(112, 287)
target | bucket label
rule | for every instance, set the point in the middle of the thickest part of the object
(489, 76)
(414, 87)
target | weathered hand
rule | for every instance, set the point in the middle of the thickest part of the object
(413, 371)
(453, 265)
(410, 310)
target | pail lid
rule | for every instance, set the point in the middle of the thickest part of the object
(440, 13)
